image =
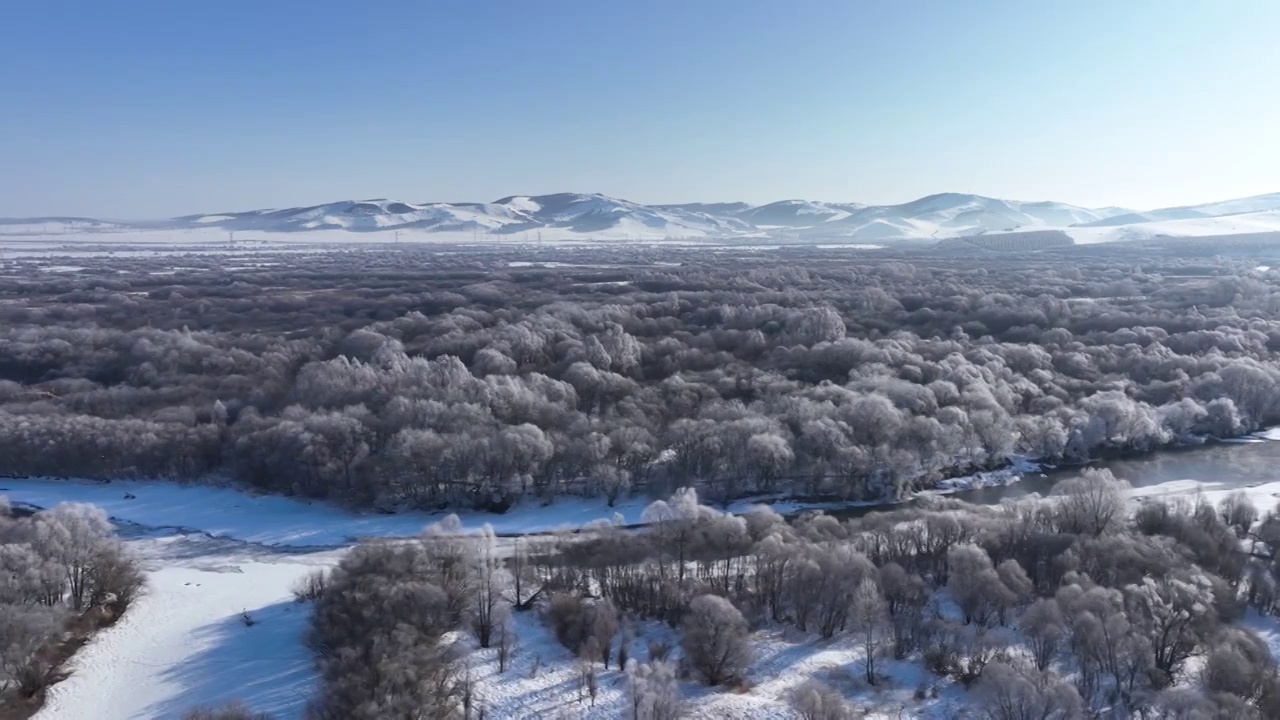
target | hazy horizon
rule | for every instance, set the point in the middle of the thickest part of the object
(155, 110)
(326, 201)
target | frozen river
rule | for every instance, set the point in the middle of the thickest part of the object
(1215, 470)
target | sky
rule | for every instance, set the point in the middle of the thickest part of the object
(143, 109)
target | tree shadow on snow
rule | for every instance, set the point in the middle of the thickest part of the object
(266, 665)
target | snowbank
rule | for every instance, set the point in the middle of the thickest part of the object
(1264, 496)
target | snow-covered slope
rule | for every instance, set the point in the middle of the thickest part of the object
(944, 215)
(1244, 223)
(1257, 204)
(578, 216)
(365, 215)
(797, 213)
(957, 215)
(573, 212)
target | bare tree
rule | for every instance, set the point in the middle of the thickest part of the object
(587, 669)
(869, 615)
(506, 638)
(72, 534)
(1091, 503)
(114, 578)
(491, 583)
(653, 693)
(604, 626)
(715, 639)
(1009, 692)
(522, 576)
(1045, 630)
(814, 700)
(1238, 513)
(975, 584)
(1241, 666)
(1174, 614)
(311, 586)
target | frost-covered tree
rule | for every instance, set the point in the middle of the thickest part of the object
(377, 634)
(1045, 631)
(715, 640)
(1238, 513)
(73, 536)
(56, 566)
(975, 584)
(1091, 503)
(492, 582)
(813, 700)
(868, 618)
(1010, 692)
(1176, 614)
(653, 692)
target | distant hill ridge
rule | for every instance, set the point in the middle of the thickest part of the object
(945, 215)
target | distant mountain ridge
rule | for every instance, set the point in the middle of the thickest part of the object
(943, 215)
(934, 217)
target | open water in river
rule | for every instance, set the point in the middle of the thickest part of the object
(1228, 465)
(1216, 467)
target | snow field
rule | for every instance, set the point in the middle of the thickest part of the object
(542, 679)
(184, 643)
(290, 522)
(214, 553)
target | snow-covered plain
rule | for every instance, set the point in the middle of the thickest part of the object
(214, 554)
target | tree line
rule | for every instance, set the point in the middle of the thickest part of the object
(1072, 606)
(429, 379)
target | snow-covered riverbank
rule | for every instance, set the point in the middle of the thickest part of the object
(184, 642)
(215, 553)
(281, 521)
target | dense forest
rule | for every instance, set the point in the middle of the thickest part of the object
(1078, 605)
(454, 377)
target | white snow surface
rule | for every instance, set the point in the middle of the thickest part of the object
(184, 644)
(542, 680)
(1264, 496)
(275, 520)
(213, 554)
(1257, 222)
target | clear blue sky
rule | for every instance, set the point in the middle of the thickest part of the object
(142, 109)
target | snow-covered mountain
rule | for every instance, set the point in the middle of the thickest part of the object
(798, 213)
(571, 212)
(958, 215)
(1241, 206)
(576, 215)
(945, 215)
(364, 215)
